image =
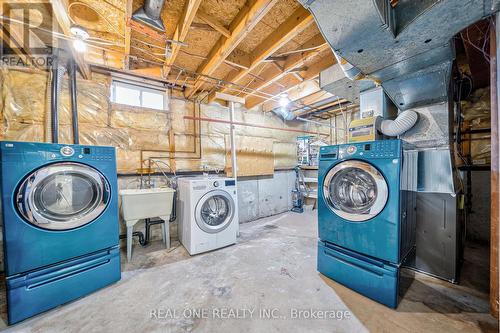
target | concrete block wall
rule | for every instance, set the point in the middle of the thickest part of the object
(258, 197)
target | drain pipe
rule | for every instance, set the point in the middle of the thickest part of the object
(74, 101)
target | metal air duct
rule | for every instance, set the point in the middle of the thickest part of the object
(407, 47)
(150, 14)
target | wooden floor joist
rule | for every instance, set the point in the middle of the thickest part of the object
(296, 23)
(311, 73)
(128, 34)
(239, 28)
(291, 62)
(181, 32)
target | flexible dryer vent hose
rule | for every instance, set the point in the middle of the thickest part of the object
(405, 121)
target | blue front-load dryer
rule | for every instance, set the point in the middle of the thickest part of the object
(60, 223)
(361, 205)
(365, 216)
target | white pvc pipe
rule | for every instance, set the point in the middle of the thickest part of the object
(398, 126)
(233, 154)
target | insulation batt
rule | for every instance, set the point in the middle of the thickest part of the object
(133, 130)
(476, 112)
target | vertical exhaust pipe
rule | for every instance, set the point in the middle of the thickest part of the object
(150, 14)
(74, 101)
(54, 100)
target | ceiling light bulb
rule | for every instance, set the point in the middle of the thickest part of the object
(79, 45)
(79, 32)
(284, 100)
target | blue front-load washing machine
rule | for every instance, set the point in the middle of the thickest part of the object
(366, 215)
(60, 223)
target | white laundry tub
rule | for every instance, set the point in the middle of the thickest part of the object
(146, 203)
(139, 204)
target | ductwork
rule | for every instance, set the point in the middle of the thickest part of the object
(408, 47)
(403, 123)
(284, 113)
(350, 71)
(150, 14)
(375, 103)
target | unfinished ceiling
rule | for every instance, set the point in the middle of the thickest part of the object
(255, 49)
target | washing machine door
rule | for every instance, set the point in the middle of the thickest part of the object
(355, 190)
(62, 196)
(215, 211)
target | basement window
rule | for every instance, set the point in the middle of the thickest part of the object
(139, 96)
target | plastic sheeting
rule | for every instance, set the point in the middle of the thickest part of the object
(138, 133)
(476, 111)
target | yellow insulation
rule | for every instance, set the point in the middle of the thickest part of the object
(139, 133)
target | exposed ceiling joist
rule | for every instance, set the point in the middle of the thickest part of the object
(60, 11)
(296, 23)
(181, 32)
(294, 93)
(201, 26)
(214, 24)
(311, 73)
(128, 33)
(102, 57)
(322, 106)
(315, 97)
(291, 63)
(244, 22)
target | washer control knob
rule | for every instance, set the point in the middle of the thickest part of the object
(67, 151)
(216, 183)
(351, 150)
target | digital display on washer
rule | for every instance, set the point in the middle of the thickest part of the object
(230, 182)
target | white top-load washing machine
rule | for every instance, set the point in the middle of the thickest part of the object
(208, 213)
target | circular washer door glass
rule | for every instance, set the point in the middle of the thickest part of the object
(63, 196)
(355, 190)
(215, 211)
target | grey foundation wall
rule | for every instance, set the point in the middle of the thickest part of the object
(258, 197)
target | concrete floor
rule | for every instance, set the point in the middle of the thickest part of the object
(273, 269)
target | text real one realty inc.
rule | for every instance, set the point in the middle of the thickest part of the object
(248, 313)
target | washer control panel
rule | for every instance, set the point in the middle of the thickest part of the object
(373, 149)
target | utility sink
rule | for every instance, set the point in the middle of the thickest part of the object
(140, 204)
(146, 203)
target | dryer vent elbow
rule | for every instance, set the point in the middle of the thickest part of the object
(403, 123)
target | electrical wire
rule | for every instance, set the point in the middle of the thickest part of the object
(239, 89)
(298, 51)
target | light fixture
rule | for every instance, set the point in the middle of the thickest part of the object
(79, 45)
(284, 100)
(80, 34)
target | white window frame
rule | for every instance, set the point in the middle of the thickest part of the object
(141, 89)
